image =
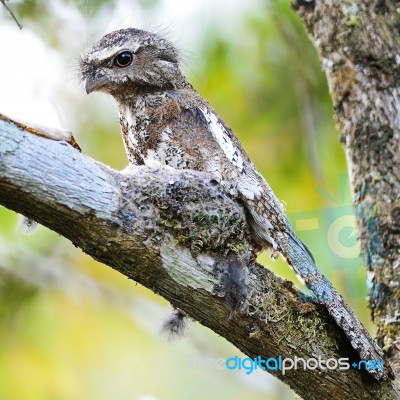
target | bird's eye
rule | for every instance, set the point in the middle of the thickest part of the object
(123, 59)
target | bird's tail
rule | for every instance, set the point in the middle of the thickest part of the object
(302, 261)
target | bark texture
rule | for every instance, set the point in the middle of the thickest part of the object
(178, 234)
(358, 42)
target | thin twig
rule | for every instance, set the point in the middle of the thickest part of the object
(11, 13)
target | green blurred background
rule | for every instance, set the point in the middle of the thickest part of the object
(72, 328)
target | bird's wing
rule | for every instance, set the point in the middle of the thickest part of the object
(267, 214)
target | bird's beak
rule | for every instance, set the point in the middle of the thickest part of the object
(95, 82)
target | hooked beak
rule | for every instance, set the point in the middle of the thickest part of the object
(95, 82)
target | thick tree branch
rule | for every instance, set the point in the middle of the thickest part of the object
(178, 234)
(358, 42)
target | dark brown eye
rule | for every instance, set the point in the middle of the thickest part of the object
(123, 59)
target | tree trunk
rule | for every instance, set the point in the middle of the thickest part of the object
(358, 42)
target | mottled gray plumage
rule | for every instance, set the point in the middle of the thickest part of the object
(165, 121)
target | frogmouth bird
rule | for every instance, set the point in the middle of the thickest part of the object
(164, 120)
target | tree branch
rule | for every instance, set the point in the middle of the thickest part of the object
(358, 43)
(11, 13)
(178, 234)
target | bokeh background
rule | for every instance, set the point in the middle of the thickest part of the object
(71, 328)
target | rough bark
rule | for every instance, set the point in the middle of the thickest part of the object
(358, 42)
(178, 234)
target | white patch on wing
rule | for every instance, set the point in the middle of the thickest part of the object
(248, 182)
(223, 138)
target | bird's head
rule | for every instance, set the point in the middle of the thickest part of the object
(130, 61)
